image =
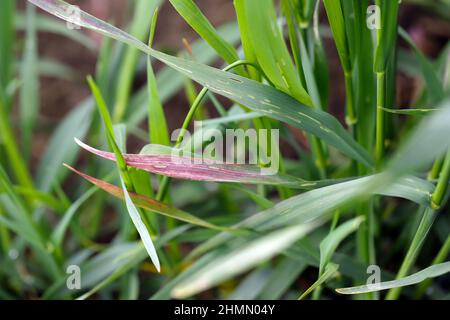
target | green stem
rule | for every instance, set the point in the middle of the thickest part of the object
(440, 258)
(441, 189)
(350, 118)
(15, 160)
(428, 218)
(5, 240)
(379, 147)
(319, 154)
(435, 170)
(425, 225)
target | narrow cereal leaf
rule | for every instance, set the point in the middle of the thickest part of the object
(195, 18)
(410, 112)
(241, 259)
(168, 162)
(150, 204)
(428, 273)
(329, 272)
(29, 100)
(141, 228)
(271, 50)
(329, 245)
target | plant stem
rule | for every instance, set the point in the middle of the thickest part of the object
(5, 240)
(428, 218)
(440, 257)
(442, 186)
(350, 118)
(426, 223)
(435, 170)
(379, 146)
(16, 161)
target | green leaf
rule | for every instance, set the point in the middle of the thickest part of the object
(53, 68)
(336, 18)
(329, 245)
(165, 292)
(321, 67)
(159, 134)
(139, 29)
(132, 260)
(283, 276)
(422, 147)
(60, 148)
(46, 24)
(241, 260)
(60, 230)
(329, 272)
(141, 228)
(232, 118)
(195, 18)
(410, 112)
(125, 178)
(7, 37)
(41, 197)
(249, 52)
(387, 35)
(428, 217)
(150, 204)
(432, 81)
(320, 203)
(169, 81)
(311, 82)
(250, 287)
(29, 92)
(270, 49)
(430, 272)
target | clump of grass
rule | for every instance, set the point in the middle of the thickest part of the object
(331, 207)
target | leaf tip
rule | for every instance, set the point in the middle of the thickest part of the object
(83, 145)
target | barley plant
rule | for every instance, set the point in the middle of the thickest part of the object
(347, 202)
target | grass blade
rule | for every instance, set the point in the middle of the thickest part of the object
(7, 36)
(432, 81)
(430, 272)
(139, 29)
(410, 112)
(29, 100)
(149, 204)
(60, 149)
(141, 228)
(58, 234)
(270, 49)
(46, 24)
(320, 203)
(167, 162)
(195, 18)
(330, 243)
(422, 147)
(329, 272)
(124, 175)
(159, 134)
(241, 260)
